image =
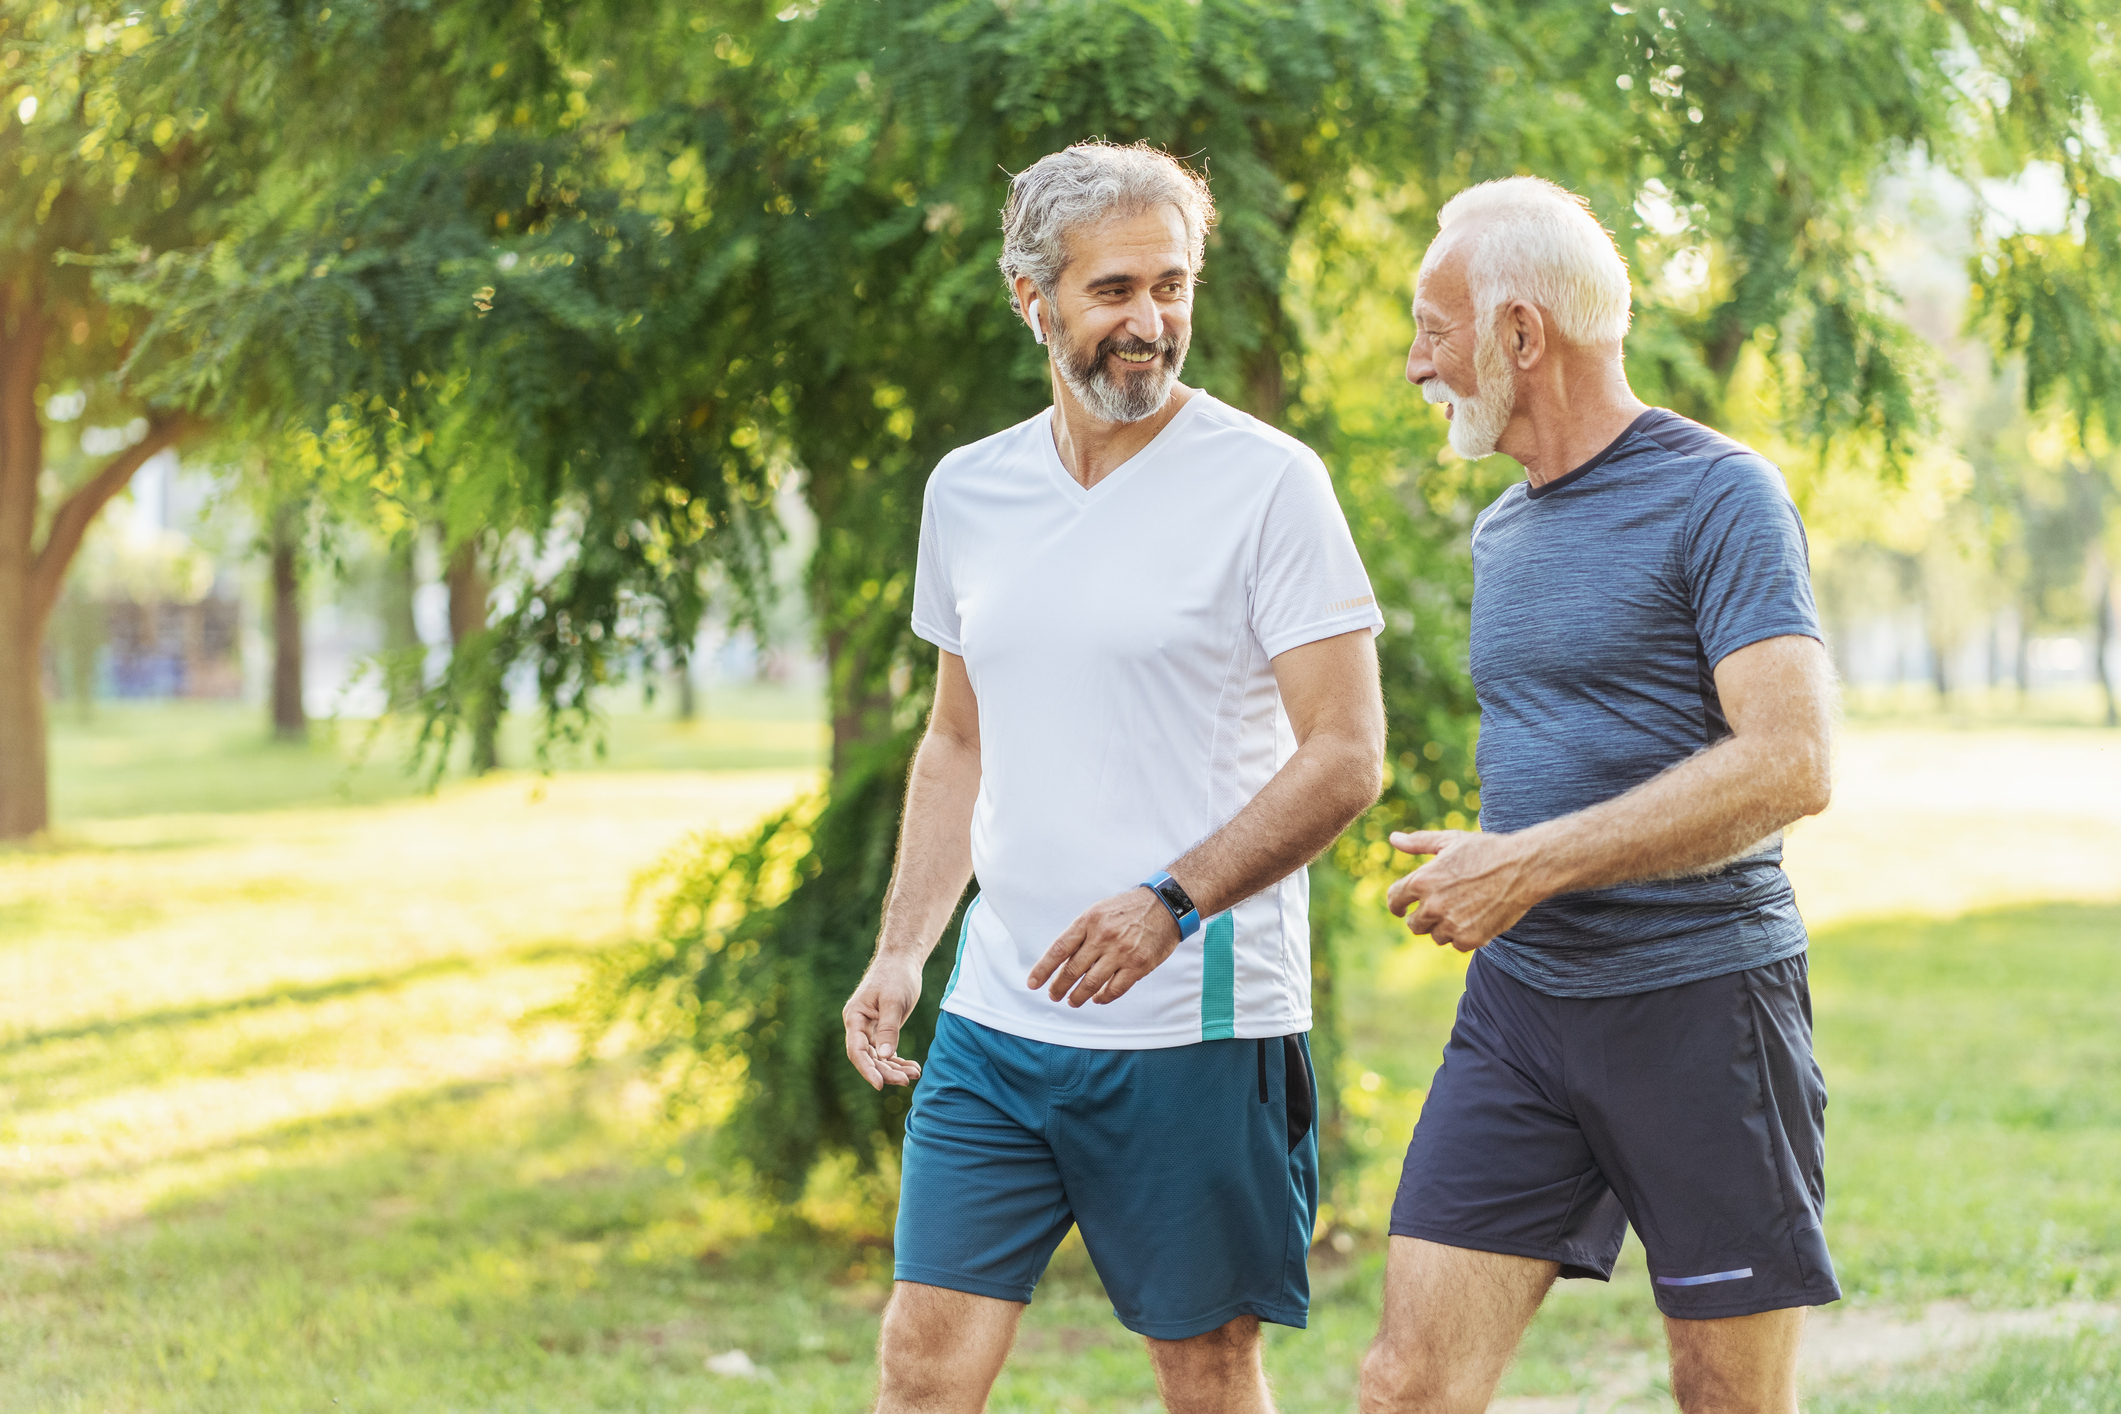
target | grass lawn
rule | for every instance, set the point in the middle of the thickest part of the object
(284, 1124)
(152, 758)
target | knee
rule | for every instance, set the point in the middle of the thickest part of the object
(916, 1373)
(1389, 1382)
(1701, 1391)
(1398, 1380)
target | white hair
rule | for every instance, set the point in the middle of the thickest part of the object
(1086, 184)
(1540, 243)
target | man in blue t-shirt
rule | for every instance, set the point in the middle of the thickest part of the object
(1634, 1044)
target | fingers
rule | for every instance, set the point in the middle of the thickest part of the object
(873, 1056)
(860, 1051)
(900, 1071)
(1064, 947)
(1403, 894)
(1079, 966)
(1093, 982)
(1122, 981)
(1425, 841)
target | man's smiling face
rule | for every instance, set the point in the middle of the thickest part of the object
(1453, 361)
(1123, 313)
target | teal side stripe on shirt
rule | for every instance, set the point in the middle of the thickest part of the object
(1218, 979)
(964, 931)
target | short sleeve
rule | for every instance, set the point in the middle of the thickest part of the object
(935, 616)
(1310, 583)
(1747, 564)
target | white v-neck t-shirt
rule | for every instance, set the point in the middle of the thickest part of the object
(1120, 642)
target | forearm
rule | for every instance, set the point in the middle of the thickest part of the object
(1712, 807)
(934, 848)
(1330, 780)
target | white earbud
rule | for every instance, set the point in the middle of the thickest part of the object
(1038, 329)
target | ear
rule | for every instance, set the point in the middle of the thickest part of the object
(1525, 331)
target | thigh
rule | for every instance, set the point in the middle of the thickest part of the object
(1452, 1320)
(981, 1202)
(1215, 1373)
(1193, 1173)
(1706, 1112)
(941, 1349)
(1498, 1162)
(1737, 1365)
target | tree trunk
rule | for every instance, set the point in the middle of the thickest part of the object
(403, 659)
(2103, 649)
(24, 803)
(468, 591)
(289, 721)
(688, 705)
(2022, 659)
(23, 787)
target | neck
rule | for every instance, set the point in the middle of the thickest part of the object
(1569, 413)
(1091, 448)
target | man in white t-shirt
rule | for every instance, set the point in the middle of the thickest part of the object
(1157, 701)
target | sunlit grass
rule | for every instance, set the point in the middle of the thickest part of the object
(149, 758)
(284, 1120)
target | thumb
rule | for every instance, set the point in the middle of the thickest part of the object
(1425, 841)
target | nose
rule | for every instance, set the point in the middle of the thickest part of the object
(1145, 318)
(1421, 367)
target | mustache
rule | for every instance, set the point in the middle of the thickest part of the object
(1165, 345)
(1438, 391)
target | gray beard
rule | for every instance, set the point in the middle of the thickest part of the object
(1128, 397)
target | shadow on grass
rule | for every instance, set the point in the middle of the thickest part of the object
(336, 989)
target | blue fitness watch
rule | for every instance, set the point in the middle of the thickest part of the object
(1172, 897)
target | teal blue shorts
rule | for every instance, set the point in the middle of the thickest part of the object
(1192, 1171)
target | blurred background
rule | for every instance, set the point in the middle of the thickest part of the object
(459, 464)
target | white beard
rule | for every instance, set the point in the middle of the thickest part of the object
(1478, 422)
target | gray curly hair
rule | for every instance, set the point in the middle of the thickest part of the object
(1088, 183)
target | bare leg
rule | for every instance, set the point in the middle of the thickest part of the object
(1738, 1365)
(1452, 1321)
(940, 1349)
(1214, 1373)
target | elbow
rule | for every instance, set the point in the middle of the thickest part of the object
(1816, 783)
(1363, 772)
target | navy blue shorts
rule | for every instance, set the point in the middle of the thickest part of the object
(1192, 1171)
(1695, 1112)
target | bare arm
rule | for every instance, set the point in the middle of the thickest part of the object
(934, 863)
(1329, 689)
(1779, 698)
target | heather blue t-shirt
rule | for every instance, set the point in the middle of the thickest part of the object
(1602, 603)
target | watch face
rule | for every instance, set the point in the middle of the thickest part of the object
(1174, 897)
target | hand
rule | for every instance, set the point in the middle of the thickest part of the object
(873, 1016)
(1473, 891)
(1113, 945)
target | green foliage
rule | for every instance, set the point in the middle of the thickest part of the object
(748, 964)
(607, 277)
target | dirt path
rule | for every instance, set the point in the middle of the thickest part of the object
(1838, 1345)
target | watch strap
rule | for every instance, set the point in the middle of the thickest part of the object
(1176, 901)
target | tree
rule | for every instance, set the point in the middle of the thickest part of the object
(83, 163)
(688, 254)
(131, 131)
